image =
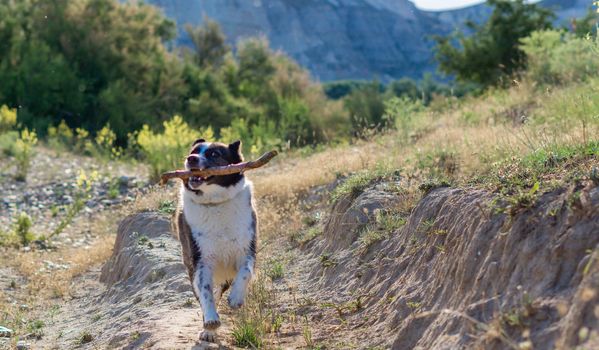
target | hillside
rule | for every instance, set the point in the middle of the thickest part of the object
(477, 230)
(387, 221)
(343, 39)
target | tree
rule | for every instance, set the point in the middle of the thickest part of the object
(366, 109)
(404, 87)
(87, 62)
(209, 47)
(586, 25)
(492, 52)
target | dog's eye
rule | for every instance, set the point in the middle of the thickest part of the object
(213, 154)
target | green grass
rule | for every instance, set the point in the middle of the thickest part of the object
(167, 207)
(355, 184)
(326, 260)
(84, 337)
(247, 335)
(275, 270)
(384, 224)
(36, 328)
(304, 236)
(523, 176)
(113, 188)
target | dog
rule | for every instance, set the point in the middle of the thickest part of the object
(217, 226)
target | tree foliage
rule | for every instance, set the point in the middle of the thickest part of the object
(492, 51)
(91, 63)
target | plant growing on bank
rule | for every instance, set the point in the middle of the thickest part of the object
(23, 153)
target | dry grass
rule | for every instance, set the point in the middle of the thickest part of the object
(46, 281)
(476, 144)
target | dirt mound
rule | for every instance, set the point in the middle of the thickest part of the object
(460, 274)
(144, 298)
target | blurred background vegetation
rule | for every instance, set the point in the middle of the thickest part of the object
(103, 78)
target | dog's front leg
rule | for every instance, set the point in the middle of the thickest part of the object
(202, 284)
(242, 279)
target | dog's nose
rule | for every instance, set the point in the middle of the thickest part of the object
(193, 159)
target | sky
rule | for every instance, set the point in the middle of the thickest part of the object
(444, 4)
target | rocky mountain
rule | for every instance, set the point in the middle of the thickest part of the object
(342, 39)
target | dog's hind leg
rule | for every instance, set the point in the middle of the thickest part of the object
(220, 290)
(202, 284)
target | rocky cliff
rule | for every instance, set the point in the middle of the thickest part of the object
(341, 39)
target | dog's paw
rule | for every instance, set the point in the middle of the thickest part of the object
(235, 300)
(208, 336)
(211, 324)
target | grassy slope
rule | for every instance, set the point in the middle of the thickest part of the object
(475, 142)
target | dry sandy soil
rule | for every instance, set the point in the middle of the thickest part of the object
(458, 275)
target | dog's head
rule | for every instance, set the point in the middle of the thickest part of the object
(205, 155)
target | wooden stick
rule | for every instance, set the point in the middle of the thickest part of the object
(221, 170)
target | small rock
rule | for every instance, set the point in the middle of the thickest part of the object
(5, 332)
(22, 345)
(67, 199)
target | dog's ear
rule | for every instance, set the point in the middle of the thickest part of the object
(235, 149)
(197, 141)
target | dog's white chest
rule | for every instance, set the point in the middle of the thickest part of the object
(222, 232)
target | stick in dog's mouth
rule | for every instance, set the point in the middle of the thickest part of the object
(200, 175)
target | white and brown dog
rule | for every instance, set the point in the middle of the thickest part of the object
(217, 227)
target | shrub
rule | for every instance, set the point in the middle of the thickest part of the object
(556, 57)
(366, 109)
(22, 228)
(105, 142)
(492, 53)
(341, 88)
(61, 136)
(165, 151)
(7, 142)
(23, 153)
(401, 111)
(8, 118)
(82, 194)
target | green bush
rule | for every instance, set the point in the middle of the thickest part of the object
(60, 137)
(556, 57)
(492, 54)
(118, 70)
(8, 118)
(165, 151)
(22, 229)
(20, 232)
(7, 142)
(366, 108)
(401, 111)
(23, 152)
(341, 88)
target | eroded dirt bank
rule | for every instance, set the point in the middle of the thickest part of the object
(458, 274)
(461, 275)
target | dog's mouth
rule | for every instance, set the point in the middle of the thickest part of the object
(195, 182)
